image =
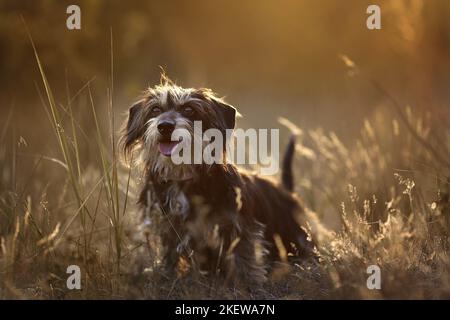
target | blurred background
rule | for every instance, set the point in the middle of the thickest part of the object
(370, 107)
(267, 58)
(312, 62)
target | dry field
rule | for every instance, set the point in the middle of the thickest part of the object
(66, 199)
(83, 214)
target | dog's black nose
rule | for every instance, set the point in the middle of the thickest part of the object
(166, 127)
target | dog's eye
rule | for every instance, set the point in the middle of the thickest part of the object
(155, 111)
(187, 111)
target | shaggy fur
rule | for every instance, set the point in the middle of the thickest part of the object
(215, 217)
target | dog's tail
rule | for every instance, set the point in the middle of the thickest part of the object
(287, 177)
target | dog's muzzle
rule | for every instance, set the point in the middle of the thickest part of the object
(165, 129)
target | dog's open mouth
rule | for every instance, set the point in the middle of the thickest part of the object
(166, 147)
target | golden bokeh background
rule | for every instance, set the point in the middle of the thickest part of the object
(268, 58)
(371, 108)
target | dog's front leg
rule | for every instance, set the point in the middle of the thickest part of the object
(245, 263)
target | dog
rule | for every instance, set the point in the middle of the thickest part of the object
(215, 217)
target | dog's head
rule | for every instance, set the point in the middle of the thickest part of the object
(147, 133)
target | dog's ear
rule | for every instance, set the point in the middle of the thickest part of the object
(133, 128)
(226, 111)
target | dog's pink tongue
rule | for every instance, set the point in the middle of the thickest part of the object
(166, 147)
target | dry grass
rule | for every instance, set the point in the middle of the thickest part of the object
(387, 195)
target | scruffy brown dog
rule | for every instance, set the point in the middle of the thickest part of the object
(215, 217)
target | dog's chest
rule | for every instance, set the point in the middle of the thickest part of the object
(175, 201)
